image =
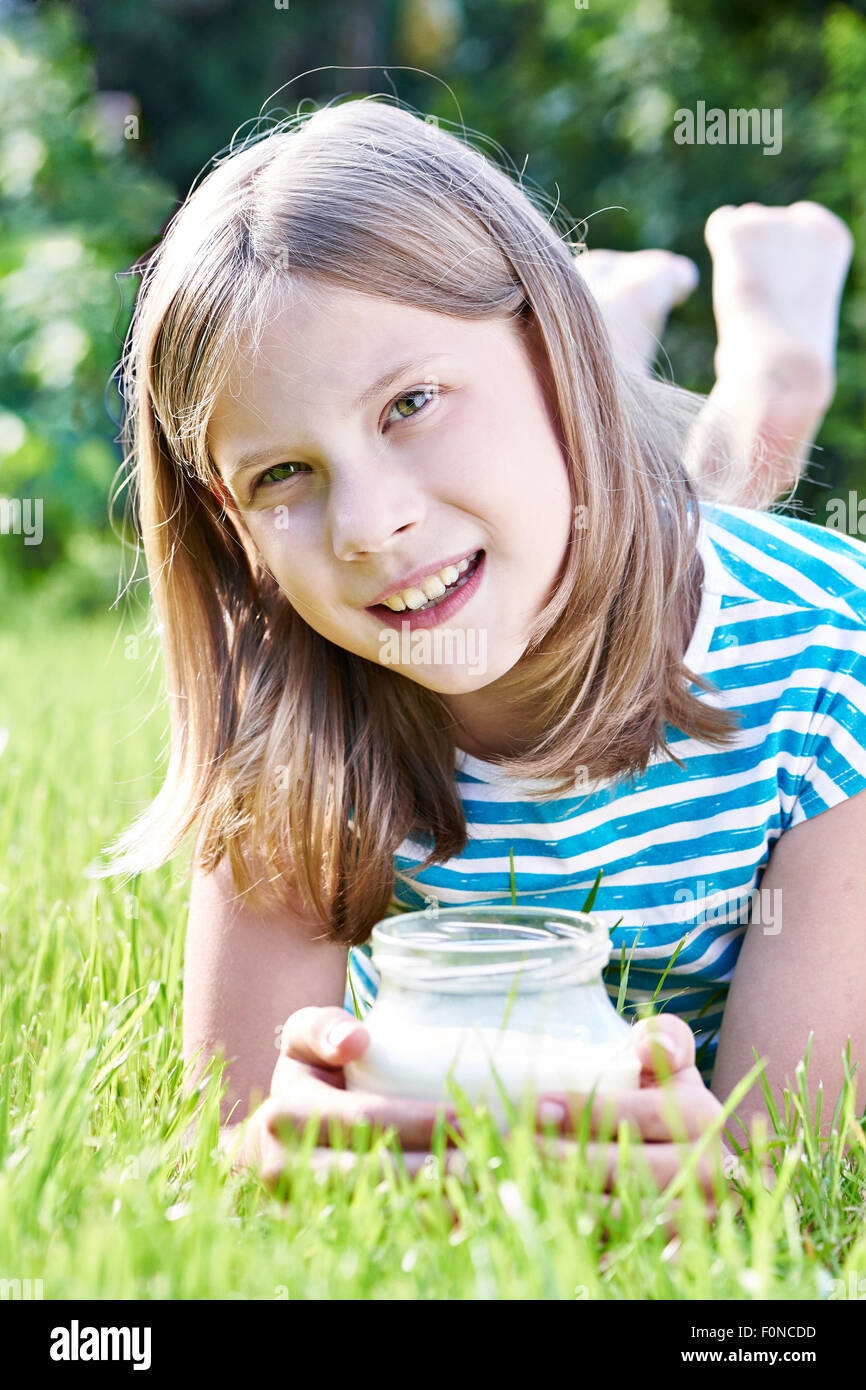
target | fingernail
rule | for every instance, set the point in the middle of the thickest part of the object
(668, 1044)
(339, 1033)
(552, 1112)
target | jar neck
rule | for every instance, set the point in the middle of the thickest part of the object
(491, 950)
(484, 975)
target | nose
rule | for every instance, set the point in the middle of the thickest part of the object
(369, 503)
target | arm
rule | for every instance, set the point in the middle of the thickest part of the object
(244, 973)
(267, 989)
(808, 976)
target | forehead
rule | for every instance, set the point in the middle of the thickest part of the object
(320, 346)
(332, 326)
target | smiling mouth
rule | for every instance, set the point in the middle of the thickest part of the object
(474, 561)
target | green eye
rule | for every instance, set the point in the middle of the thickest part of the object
(414, 396)
(418, 401)
(262, 480)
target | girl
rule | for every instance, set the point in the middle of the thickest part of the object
(369, 397)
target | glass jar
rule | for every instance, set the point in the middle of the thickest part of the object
(466, 990)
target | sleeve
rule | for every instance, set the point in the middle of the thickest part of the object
(831, 765)
(362, 980)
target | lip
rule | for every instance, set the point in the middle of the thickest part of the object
(417, 575)
(432, 617)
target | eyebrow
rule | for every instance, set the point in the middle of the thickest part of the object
(254, 456)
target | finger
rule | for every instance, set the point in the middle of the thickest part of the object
(287, 1072)
(682, 1112)
(665, 1044)
(324, 1036)
(337, 1112)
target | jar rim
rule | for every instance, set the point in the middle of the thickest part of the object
(535, 942)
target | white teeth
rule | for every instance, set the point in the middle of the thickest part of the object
(414, 598)
(429, 588)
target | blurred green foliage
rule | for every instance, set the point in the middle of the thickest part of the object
(75, 209)
(582, 101)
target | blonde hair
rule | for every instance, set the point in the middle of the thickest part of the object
(304, 762)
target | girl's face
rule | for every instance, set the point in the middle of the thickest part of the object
(371, 445)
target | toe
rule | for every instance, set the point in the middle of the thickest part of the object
(687, 276)
(717, 221)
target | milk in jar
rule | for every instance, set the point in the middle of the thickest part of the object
(471, 994)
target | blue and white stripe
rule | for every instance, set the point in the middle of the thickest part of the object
(782, 633)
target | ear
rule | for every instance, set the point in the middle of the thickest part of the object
(533, 343)
(223, 496)
(231, 511)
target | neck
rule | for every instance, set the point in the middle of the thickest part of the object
(486, 722)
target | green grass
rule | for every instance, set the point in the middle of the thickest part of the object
(106, 1191)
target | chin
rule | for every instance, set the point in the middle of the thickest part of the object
(455, 680)
(449, 682)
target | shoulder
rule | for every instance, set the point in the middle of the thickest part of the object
(788, 649)
(785, 562)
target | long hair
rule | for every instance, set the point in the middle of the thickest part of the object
(306, 764)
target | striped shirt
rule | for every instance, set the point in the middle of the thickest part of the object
(781, 633)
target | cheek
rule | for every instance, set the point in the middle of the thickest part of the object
(532, 487)
(292, 550)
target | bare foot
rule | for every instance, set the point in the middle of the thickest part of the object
(636, 291)
(777, 282)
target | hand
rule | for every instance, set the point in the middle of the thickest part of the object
(647, 1110)
(308, 1079)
